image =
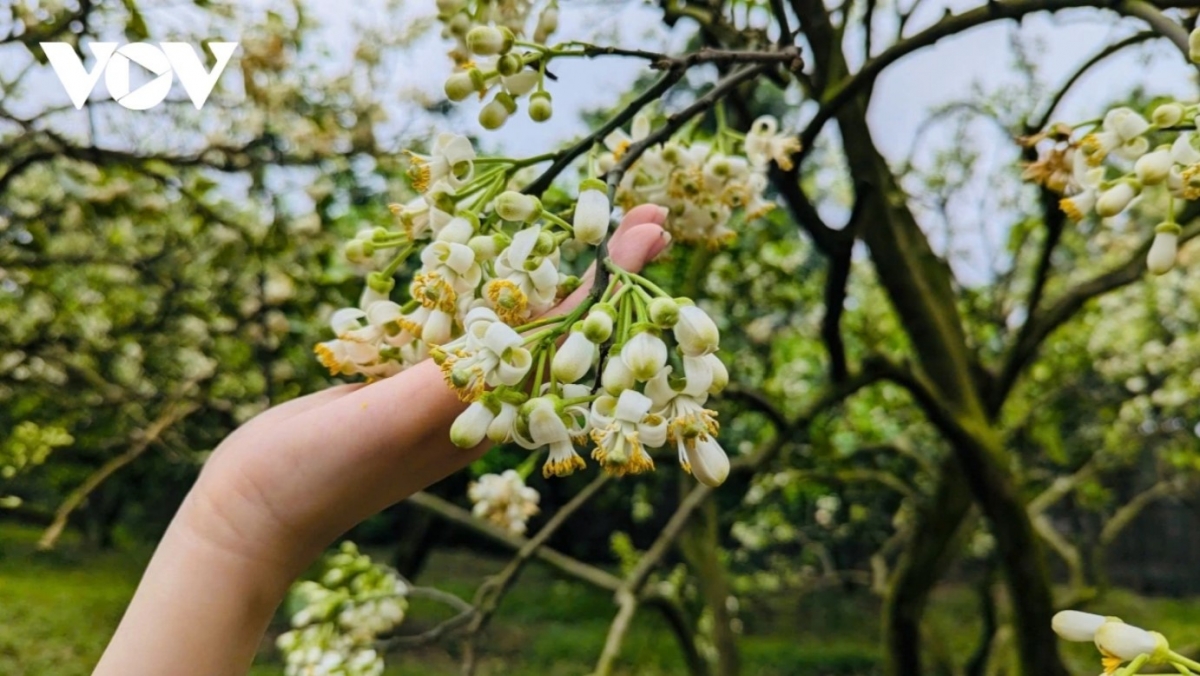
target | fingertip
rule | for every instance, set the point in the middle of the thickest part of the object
(638, 245)
(645, 213)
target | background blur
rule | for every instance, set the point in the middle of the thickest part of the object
(165, 273)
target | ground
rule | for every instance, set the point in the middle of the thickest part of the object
(59, 609)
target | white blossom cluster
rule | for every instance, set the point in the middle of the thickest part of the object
(703, 184)
(504, 499)
(490, 54)
(1124, 158)
(490, 262)
(342, 611)
(1120, 643)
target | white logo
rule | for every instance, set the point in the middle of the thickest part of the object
(169, 57)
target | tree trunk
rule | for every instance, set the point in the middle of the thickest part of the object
(938, 530)
(919, 286)
(701, 547)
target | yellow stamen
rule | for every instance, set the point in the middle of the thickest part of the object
(562, 467)
(328, 360)
(509, 302)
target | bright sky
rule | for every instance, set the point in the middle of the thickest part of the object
(903, 97)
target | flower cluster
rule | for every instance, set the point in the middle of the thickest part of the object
(490, 267)
(504, 500)
(342, 611)
(1123, 157)
(1120, 643)
(703, 184)
(490, 56)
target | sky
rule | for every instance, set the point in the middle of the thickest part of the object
(947, 72)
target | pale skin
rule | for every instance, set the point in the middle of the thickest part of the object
(284, 486)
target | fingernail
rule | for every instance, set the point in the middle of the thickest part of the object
(662, 248)
(663, 213)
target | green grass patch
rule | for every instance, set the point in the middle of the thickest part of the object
(60, 608)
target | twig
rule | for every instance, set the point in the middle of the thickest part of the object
(635, 151)
(174, 412)
(1052, 105)
(627, 595)
(491, 592)
(465, 612)
(1161, 23)
(954, 24)
(461, 517)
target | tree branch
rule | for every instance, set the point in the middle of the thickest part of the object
(175, 411)
(1041, 326)
(566, 564)
(953, 24)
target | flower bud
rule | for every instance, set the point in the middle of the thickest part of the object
(1194, 45)
(645, 354)
(545, 244)
(707, 461)
(1153, 168)
(540, 108)
(521, 83)
(471, 425)
(377, 281)
(547, 23)
(1161, 257)
(696, 332)
(459, 86)
(616, 377)
(356, 251)
(664, 312)
(598, 326)
(518, 207)
(509, 64)
(493, 115)
(1114, 200)
(489, 40)
(484, 246)
(1167, 115)
(1073, 625)
(1126, 641)
(574, 358)
(592, 213)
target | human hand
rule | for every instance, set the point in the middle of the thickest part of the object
(287, 483)
(283, 486)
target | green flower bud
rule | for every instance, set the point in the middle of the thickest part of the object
(380, 282)
(568, 285)
(488, 40)
(510, 64)
(540, 108)
(1194, 46)
(545, 244)
(506, 100)
(598, 326)
(518, 207)
(459, 86)
(664, 312)
(1167, 115)
(356, 251)
(493, 116)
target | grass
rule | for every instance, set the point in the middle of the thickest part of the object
(59, 609)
